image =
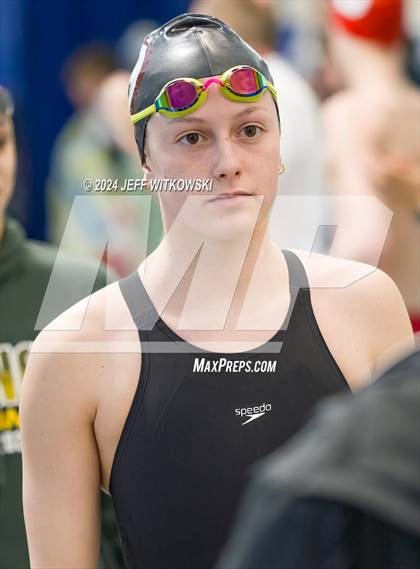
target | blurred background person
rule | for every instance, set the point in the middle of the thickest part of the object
(84, 71)
(301, 138)
(102, 148)
(344, 493)
(25, 270)
(373, 141)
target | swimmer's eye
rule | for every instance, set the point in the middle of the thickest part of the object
(190, 139)
(251, 130)
(193, 138)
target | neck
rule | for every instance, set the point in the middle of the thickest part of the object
(368, 66)
(193, 275)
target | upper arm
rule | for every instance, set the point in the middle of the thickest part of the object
(392, 335)
(60, 460)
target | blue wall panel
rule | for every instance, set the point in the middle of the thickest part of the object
(36, 36)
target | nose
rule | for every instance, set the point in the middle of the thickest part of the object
(227, 165)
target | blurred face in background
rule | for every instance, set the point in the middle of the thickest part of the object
(111, 105)
(7, 160)
(236, 145)
(84, 71)
(82, 88)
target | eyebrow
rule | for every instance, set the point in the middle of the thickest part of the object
(197, 119)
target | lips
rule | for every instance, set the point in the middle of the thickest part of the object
(229, 196)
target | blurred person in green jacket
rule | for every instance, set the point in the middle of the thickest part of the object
(97, 145)
(25, 270)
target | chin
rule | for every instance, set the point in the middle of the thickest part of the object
(222, 219)
(226, 225)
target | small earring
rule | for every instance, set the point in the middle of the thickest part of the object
(282, 168)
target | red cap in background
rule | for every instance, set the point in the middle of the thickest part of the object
(375, 20)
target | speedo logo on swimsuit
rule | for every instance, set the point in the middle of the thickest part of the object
(253, 412)
(204, 365)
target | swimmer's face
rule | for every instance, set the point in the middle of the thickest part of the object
(7, 160)
(236, 145)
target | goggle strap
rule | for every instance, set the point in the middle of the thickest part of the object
(272, 89)
(143, 114)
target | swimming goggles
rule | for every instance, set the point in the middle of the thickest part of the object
(180, 97)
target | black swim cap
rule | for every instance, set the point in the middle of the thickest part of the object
(190, 45)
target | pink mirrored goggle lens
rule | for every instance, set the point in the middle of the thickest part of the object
(244, 82)
(181, 94)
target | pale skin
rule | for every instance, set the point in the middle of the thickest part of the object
(373, 147)
(74, 405)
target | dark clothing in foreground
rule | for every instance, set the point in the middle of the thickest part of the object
(345, 492)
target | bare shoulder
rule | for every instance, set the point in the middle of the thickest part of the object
(73, 352)
(352, 277)
(368, 290)
(100, 316)
(359, 305)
